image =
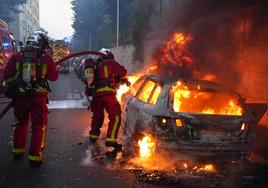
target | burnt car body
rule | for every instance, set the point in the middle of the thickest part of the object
(189, 133)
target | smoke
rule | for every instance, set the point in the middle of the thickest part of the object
(220, 30)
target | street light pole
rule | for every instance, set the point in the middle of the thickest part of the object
(117, 29)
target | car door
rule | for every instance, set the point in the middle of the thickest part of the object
(136, 105)
(129, 107)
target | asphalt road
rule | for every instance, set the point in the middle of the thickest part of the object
(68, 162)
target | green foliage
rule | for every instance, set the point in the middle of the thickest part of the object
(8, 6)
(98, 18)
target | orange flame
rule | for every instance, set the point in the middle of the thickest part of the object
(186, 100)
(124, 89)
(173, 57)
(175, 50)
(209, 77)
(147, 147)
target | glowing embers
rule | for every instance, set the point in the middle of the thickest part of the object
(197, 100)
(147, 147)
(199, 168)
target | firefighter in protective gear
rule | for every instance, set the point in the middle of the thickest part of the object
(31, 69)
(106, 72)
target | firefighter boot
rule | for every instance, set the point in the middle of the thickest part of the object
(17, 156)
(35, 163)
(117, 147)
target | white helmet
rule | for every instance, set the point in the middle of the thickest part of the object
(107, 52)
(32, 41)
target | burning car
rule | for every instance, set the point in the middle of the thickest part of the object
(194, 118)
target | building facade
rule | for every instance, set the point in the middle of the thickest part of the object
(25, 21)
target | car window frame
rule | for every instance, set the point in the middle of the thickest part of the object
(151, 93)
(142, 85)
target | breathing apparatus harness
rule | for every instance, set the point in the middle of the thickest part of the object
(107, 81)
(32, 72)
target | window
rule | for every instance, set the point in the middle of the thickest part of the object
(155, 95)
(146, 91)
(134, 89)
(6, 42)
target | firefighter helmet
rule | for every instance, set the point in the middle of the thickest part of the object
(32, 42)
(107, 52)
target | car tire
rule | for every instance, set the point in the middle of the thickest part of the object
(131, 145)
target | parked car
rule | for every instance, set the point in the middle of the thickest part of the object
(195, 118)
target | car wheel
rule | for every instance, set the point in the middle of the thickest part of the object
(131, 145)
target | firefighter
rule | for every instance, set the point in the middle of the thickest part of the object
(107, 73)
(26, 76)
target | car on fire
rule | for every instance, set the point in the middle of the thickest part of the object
(191, 118)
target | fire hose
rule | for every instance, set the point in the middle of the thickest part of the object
(10, 104)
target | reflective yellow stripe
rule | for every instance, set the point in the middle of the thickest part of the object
(112, 139)
(106, 73)
(18, 150)
(44, 70)
(35, 158)
(44, 129)
(93, 136)
(41, 90)
(88, 72)
(105, 89)
(17, 66)
(1, 58)
(10, 79)
(21, 90)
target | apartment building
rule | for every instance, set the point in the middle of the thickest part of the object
(25, 20)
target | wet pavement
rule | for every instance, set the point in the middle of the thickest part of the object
(70, 161)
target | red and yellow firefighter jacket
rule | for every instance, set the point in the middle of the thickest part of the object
(47, 71)
(108, 71)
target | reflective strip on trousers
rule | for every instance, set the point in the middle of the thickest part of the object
(93, 136)
(18, 150)
(113, 139)
(35, 158)
(44, 130)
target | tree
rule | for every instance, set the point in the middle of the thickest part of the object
(97, 18)
(9, 6)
